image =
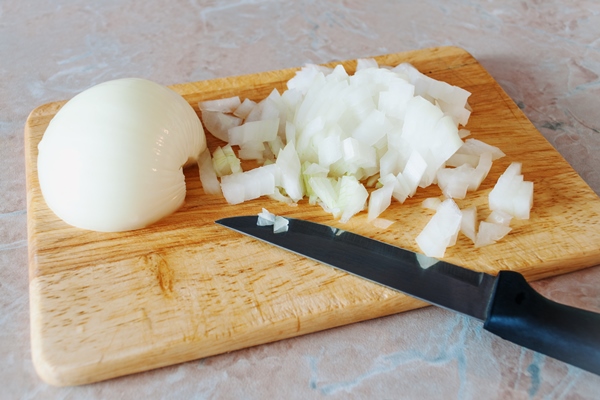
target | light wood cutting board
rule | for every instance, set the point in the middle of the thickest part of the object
(105, 305)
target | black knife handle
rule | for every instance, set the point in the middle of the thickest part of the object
(520, 315)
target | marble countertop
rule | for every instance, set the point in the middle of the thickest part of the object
(546, 55)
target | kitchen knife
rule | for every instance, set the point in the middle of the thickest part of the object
(506, 304)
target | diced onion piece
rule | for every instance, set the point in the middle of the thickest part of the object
(208, 176)
(455, 182)
(380, 199)
(490, 233)
(272, 107)
(233, 189)
(280, 225)
(431, 203)
(477, 147)
(482, 171)
(433, 135)
(512, 194)
(358, 154)
(225, 161)
(382, 223)
(372, 180)
(278, 196)
(244, 109)
(352, 197)
(373, 128)
(363, 63)
(274, 147)
(303, 79)
(389, 163)
(468, 223)
(402, 188)
(413, 171)
(394, 100)
(441, 230)
(291, 178)
(324, 189)
(250, 185)
(499, 217)
(252, 151)
(458, 159)
(330, 150)
(308, 171)
(255, 131)
(256, 113)
(227, 105)
(452, 99)
(265, 218)
(218, 123)
(463, 133)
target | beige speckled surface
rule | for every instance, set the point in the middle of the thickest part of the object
(546, 55)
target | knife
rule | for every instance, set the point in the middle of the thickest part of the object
(506, 304)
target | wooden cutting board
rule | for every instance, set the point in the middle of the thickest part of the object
(109, 304)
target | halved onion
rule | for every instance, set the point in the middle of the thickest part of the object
(112, 158)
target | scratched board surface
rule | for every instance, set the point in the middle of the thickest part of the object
(109, 304)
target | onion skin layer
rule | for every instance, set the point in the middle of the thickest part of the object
(112, 158)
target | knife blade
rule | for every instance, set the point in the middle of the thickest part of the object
(508, 306)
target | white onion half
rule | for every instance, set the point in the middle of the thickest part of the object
(112, 158)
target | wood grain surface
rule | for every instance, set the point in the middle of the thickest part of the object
(109, 304)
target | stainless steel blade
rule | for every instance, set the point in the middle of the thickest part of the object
(437, 282)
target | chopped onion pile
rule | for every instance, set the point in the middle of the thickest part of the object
(331, 135)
